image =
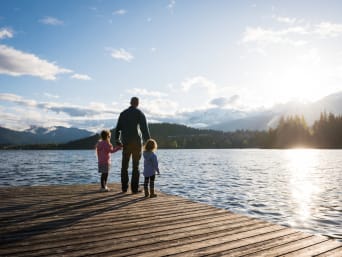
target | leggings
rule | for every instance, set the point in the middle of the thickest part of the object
(149, 180)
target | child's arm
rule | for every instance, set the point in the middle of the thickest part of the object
(115, 148)
(155, 164)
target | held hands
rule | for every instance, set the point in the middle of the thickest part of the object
(118, 143)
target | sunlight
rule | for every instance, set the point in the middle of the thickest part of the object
(302, 184)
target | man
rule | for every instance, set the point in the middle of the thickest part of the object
(131, 124)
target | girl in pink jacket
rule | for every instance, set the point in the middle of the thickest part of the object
(103, 150)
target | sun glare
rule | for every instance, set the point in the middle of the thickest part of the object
(302, 183)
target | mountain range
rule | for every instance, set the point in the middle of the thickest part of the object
(265, 119)
(39, 135)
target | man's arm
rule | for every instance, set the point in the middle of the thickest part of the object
(143, 127)
(118, 131)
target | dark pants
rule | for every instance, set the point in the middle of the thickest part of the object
(129, 150)
(149, 180)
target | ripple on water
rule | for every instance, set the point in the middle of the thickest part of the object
(285, 186)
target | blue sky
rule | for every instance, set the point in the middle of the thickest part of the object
(196, 62)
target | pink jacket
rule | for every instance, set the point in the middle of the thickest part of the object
(103, 150)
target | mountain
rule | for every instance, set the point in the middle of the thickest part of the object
(39, 135)
(164, 133)
(263, 120)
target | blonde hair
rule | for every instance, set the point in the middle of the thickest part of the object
(151, 145)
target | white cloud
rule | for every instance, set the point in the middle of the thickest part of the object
(121, 54)
(197, 83)
(21, 113)
(17, 63)
(17, 99)
(51, 21)
(293, 35)
(6, 33)
(145, 92)
(65, 108)
(120, 12)
(328, 29)
(284, 19)
(171, 4)
(48, 95)
(269, 36)
(80, 76)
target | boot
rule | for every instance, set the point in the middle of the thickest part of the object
(152, 195)
(146, 191)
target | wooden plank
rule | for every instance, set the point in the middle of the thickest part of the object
(78, 220)
(315, 249)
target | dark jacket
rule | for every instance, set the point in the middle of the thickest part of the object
(131, 121)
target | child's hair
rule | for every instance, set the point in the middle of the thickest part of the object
(151, 145)
(105, 134)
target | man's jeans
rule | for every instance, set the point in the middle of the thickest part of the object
(129, 150)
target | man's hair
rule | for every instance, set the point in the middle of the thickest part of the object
(134, 101)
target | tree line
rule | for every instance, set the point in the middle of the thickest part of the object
(292, 131)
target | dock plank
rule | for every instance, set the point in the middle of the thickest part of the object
(78, 220)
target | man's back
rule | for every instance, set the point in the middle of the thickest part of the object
(129, 123)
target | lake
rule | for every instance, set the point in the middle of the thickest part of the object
(300, 188)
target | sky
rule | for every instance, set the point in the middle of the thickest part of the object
(195, 62)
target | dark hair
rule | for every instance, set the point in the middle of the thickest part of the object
(105, 134)
(151, 145)
(134, 101)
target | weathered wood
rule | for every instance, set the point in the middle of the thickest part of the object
(78, 220)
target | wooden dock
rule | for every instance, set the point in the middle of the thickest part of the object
(81, 221)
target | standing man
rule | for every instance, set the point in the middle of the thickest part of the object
(131, 124)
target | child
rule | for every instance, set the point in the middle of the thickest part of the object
(150, 166)
(103, 150)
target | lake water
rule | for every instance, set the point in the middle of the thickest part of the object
(297, 188)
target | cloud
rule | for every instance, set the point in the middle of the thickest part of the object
(69, 109)
(144, 92)
(51, 21)
(48, 95)
(80, 76)
(6, 33)
(120, 12)
(223, 101)
(17, 63)
(328, 29)
(121, 54)
(284, 19)
(171, 5)
(293, 35)
(198, 82)
(269, 36)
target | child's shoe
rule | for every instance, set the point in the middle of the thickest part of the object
(146, 192)
(152, 195)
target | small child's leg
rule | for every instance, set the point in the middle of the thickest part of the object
(152, 186)
(104, 177)
(146, 186)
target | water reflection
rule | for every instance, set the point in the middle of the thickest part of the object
(299, 188)
(302, 185)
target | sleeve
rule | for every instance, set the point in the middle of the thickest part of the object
(144, 128)
(155, 163)
(116, 148)
(118, 129)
